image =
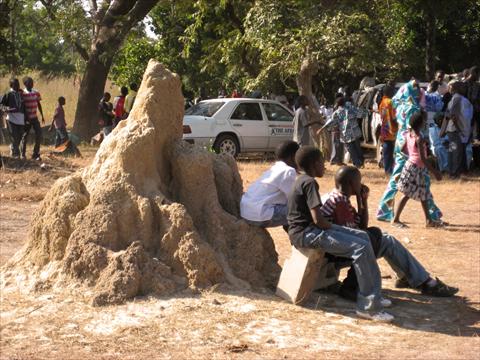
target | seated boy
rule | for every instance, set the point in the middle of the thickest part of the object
(338, 209)
(265, 202)
(307, 228)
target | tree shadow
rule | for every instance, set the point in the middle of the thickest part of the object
(455, 316)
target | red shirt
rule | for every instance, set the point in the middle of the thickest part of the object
(338, 210)
(31, 99)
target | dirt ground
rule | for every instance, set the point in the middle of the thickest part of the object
(223, 324)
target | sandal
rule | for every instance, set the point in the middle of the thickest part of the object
(439, 290)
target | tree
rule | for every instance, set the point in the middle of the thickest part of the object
(97, 41)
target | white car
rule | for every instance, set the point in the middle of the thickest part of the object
(237, 125)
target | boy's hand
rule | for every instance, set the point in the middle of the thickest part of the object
(43, 120)
(364, 192)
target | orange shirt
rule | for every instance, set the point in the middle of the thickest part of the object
(388, 131)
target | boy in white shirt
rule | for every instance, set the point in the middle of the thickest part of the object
(264, 203)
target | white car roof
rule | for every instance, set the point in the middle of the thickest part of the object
(226, 100)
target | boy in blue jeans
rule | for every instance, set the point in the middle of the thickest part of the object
(307, 228)
(338, 209)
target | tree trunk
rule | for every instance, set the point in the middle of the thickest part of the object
(90, 93)
(308, 70)
(430, 21)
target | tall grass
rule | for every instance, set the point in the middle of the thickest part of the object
(51, 88)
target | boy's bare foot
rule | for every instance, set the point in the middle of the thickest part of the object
(399, 225)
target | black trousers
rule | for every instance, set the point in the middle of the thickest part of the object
(35, 124)
(375, 235)
(15, 131)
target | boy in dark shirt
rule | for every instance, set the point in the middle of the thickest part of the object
(307, 228)
(338, 209)
(105, 111)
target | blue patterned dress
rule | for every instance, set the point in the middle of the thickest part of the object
(406, 102)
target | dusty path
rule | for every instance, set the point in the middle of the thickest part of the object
(218, 325)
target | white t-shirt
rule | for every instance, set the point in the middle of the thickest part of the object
(272, 188)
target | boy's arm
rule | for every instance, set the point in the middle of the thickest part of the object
(319, 220)
(41, 111)
(362, 206)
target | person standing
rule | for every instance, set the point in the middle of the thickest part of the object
(345, 117)
(406, 103)
(59, 123)
(31, 99)
(458, 128)
(130, 98)
(473, 95)
(442, 84)
(338, 150)
(389, 128)
(15, 110)
(105, 110)
(301, 122)
(119, 106)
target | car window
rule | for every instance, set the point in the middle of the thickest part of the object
(205, 108)
(247, 111)
(276, 112)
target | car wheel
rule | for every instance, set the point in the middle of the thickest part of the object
(226, 144)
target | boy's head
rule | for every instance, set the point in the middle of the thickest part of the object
(133, 87)
(474, 73)
(310, 160)
(388, 91)
(107, 96)
(14, 84)
(339, 101)
(302, 101)
(433, 86)
(28, 82)
(417, 121)
(124, 90)
(348, 179)
(61, 100)
(440, 75)
(286, 152)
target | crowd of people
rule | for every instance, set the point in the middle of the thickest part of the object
(22, 107)
(288, 195)
(452, 122)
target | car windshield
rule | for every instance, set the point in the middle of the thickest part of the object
(205, 108)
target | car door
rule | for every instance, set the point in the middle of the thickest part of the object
(280, 124)
(248, 121)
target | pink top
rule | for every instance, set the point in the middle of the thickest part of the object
(413, 152)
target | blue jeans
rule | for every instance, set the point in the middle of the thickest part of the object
(356, 152)
(387, 149)
(437, 147)
(279, 218)
(337, 149)
(352, 244)
(61, 136)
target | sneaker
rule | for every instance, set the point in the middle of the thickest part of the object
(439, 290)
(402, 283)
(386, 303)
(380, 316)
(36, 158)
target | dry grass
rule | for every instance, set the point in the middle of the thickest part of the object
(223, 324)
(51, 89)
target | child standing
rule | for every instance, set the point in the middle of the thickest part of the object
(345, 117)
(389, 128)
(105, 111)
(119, 106)
(414, 177)
(59, 123)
